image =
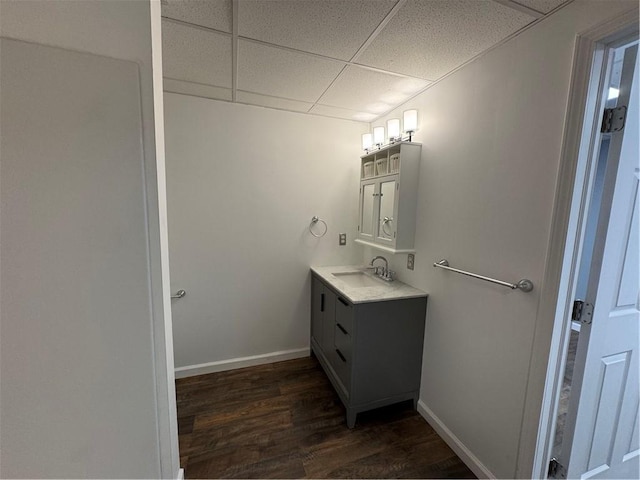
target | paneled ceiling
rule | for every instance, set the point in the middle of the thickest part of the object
(350, 59)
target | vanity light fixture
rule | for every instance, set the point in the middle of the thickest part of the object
(410, 122)
(367, 142)
(378, 136)
(393, 129)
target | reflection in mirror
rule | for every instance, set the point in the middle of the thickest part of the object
(387, 227)
(366, 221)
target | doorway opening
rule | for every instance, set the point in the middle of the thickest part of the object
(596, 422)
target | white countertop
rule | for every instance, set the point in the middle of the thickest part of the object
(384, 291)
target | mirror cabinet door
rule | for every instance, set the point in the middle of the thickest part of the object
(386, 221)
(366, 214)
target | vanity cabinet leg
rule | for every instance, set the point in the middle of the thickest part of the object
(351, 418)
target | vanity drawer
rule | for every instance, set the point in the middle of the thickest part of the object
(342, 367)
(344, 314)
(343, 355)
(343, 343)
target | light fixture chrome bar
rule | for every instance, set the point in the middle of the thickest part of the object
(524, 284)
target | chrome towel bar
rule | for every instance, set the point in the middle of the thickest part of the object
(524, 284)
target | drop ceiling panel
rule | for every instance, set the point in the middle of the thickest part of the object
(273, 102)
(542, 6)
(370, 91)
(196, 55)
(207, 13)
(346, 114)
(282, 73)
(335, 28)
(196, 89)
(429, 38)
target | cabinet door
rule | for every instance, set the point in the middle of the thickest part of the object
(317, 309)
(328, 322)
(386, 231)
(368, 215)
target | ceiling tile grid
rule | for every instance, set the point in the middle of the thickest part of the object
(351, 59)
(542, 6)
(197, 89)
(272, 102)
(282, 73)
(370, 91)
(196, 55)
(336, 112)
(335, 28)
(428, 38)
(216, 14)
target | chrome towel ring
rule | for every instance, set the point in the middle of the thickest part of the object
(315, 220)
(385, 222)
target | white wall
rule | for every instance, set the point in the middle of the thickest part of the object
(95, 406)
(243, 184)
(491, 135)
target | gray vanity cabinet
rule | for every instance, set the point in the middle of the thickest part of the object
(371, 352)
(323, 305)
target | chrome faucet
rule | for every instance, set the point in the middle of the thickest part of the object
(384, 272)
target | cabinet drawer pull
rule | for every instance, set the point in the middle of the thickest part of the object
(341, 356)
(343, 301)
(322, 302)
(342, 329)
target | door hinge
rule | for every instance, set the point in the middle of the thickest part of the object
(556, 470)
(582, 312)
(613, 119)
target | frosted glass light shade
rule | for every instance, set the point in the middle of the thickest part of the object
(367, 141)
(410, 120)
(393, 128)
(378, 135)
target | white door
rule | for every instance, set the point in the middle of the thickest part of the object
(602, 423)
(78, 377)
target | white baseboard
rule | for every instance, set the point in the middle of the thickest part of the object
(470, 460)
(234, 363)
(181, 474)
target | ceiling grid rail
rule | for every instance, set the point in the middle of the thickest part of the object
(336, 90)
(392, 13)
(234, 50)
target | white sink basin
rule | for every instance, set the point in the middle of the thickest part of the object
(357, 279)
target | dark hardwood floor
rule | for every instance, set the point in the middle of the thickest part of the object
(284, 420)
